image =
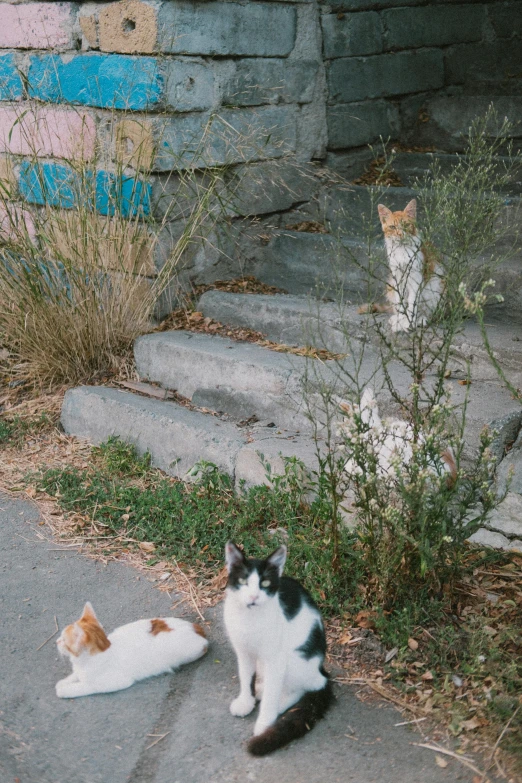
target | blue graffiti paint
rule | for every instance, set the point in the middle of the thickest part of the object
(49, 183)
(11, 87)
(111, 81)
(60, 186)
(125, 195)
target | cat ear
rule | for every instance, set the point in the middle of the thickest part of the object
(88, 612)
(384, 212)
(411, 209)
(233, 556)
(278, 558)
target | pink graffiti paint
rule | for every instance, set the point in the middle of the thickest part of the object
(47, 132)
(36, 26)
(15, 223)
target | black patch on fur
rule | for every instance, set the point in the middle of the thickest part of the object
(315, 645)
(292, 596)
(295, 722)
(253, 684)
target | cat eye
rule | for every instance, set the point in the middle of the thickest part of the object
(265, 583)
(242, 581)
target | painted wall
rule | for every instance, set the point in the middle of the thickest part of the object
(98, 81)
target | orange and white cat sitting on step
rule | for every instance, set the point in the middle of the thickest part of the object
(415, 283)
(132, 652)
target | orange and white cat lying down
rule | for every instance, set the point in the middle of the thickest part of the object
(132, 652)
(415, 282)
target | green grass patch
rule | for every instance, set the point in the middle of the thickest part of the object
(192, 522)
(14, 431)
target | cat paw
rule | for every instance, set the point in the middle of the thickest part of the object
(63, 689)
(241, 707)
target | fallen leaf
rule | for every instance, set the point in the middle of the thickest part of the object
(365, 619)
(391, 654)
(471, 725)
(147, 546)
(346, 638)
(440, 762)
(413, 644)
(465, 382)
(427, 676)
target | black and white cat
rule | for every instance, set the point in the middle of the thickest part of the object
(278, 636)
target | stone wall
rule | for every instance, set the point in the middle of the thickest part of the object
(386, 58)
(97, 82)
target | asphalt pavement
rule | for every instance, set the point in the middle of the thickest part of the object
(169, 729)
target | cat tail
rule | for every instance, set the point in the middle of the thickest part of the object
(375, 307)
(295, 722)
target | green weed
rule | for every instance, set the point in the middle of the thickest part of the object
(13, 431)
(192, 522)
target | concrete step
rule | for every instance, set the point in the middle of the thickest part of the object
(412, 167)
(240, 379)
(178, 438)
(450, 116)
(304, 320)
(336, 264)
(326, 264)
(283, 318)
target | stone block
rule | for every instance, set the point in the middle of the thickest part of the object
(509, 473)
(432, 25)
(270, 186)
(348, 35)
(257, 81)
(450, 116)
(305, 263)
(61, 186)
(359, 78)
(233, 136)
(355, 124)
(11, 87)
(127, 27)
(506, 18)
(488, 538)
(37, 25)
(507, 517)
(45, 131)
(507, 429)
(353, 211)
(135, 143)
(89, 30)
(116, 81)
(482, 62)
(215, 28)
(175, 437)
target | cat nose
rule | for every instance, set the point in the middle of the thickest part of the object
(253, 598)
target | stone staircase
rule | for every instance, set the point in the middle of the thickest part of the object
(326, 264)
(240, 404)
